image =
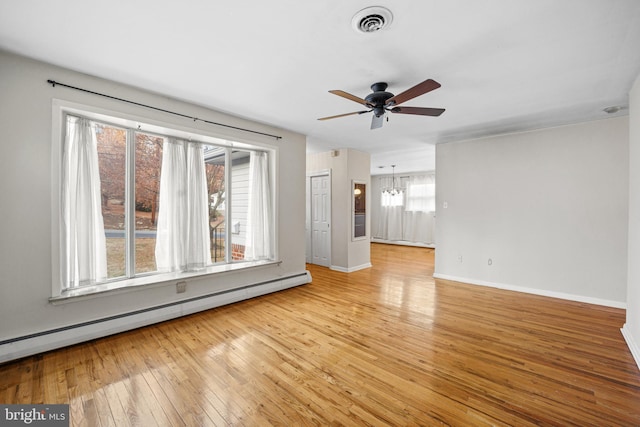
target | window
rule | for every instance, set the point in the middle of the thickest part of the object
(421, 195)
(143, 201)
(392, 191)
(392, 198)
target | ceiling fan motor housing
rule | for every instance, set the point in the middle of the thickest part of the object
(378, 98)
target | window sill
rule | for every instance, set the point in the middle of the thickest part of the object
(146, 282)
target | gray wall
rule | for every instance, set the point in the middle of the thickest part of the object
(631, 328)
(26, 224)
(548, 207)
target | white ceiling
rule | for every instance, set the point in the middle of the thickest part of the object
(504, 65)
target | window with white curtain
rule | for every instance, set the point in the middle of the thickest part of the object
(421, 194)
(392, 192)
(406, 211)
(388, 198)
(141, 203)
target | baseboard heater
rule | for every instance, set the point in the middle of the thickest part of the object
(27, 345)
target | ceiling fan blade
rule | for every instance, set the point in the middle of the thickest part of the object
(343, 115)
(435, 112)
(419, 89)
(376, 122)
(349, 96)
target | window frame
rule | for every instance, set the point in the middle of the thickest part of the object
(146, 124)
(426, 196)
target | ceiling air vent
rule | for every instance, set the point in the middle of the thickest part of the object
(371, 19)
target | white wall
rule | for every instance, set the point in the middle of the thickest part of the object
(26, 223)
(631, 329)
(345, 165)
(548, 207)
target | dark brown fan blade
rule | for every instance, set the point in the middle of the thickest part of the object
(343, 115)
(419, 89)
(435, 112)
(349, 96)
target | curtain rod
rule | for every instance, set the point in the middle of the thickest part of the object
(53, 83)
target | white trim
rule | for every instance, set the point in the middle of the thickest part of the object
(57, 138)
(307, 219)
(320, 172)
(39, 342)
(367, 188)
(633, 346)
(350, 269)
(534, 291)
(403, 243)
(152, 280)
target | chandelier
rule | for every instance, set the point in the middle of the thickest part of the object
(393, 191)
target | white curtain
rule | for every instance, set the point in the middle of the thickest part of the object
(421, 193)
(391, 209)
(390, 227)
(418, 227)
(409, 215)
(419, 216)
(182, 241)
(83, 239)
(259, 242)
(392, 198)
(198, 244)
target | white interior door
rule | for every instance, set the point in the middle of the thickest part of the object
(321, 220)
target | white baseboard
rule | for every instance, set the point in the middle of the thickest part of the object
(403, 243)
(534, 291)
(350, 269)
(49, 340)
(631, 343)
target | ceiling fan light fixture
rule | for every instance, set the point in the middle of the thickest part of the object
(371, 19)
(393, 190)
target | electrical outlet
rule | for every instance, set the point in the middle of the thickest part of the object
(460, 258)
(181, 287)
(490, 262)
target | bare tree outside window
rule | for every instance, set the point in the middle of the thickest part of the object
(216, 190)
(148, 155)
(112, 152)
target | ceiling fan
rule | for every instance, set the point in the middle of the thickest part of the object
(381, 101)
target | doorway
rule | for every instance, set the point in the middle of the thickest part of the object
(319, 219)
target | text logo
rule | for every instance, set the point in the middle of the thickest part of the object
(34, 415)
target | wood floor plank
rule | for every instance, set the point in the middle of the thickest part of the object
(384, 346)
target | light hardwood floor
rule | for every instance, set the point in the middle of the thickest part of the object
(387, 345)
